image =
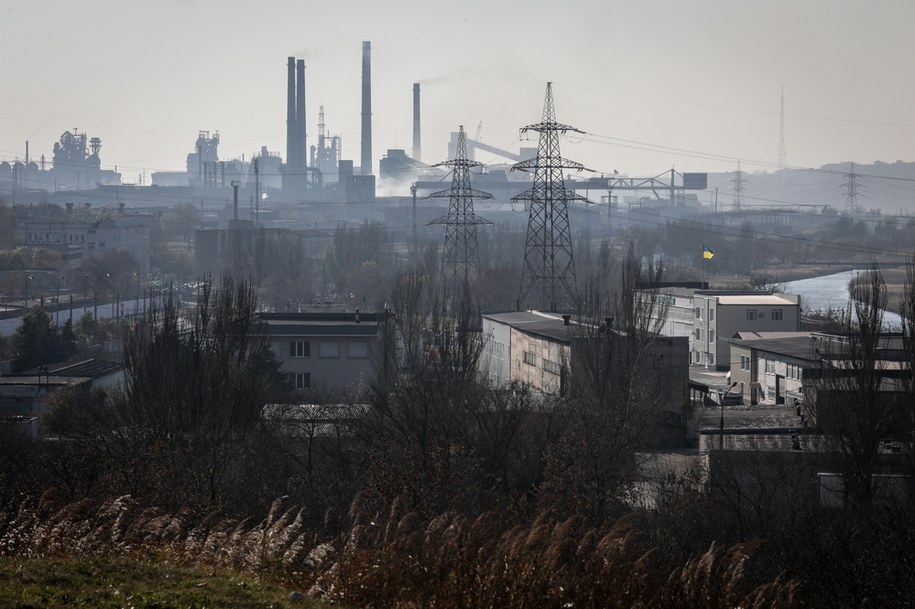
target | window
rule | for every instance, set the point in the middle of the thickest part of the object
(299, 348)
(744, 362)
(303, 380)
(329, 348)
(711, 336)
(698, 333)
(770, 366)
(358, 349)
(530, 359)
(777, 314)
(751, 315)
(711, 314)
(552, 367)
(711, 359)
(698, 313)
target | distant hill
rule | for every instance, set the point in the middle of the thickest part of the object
(889, 187)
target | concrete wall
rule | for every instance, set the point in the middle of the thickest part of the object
(717, 322)
(542, 370)
(350, 368)
(495, 360)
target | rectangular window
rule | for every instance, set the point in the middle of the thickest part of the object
(552, 367)
(530, 359)
(711, 336)
(329, 348)
(777, 314)
(698, 333)
(299, 348)
(711, 314)
(751, 314)
(698, 313)
(303, 380)
(358, 349)
(711, 359)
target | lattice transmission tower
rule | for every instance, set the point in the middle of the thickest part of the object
(850, 190)
(739, 182)
(548, 274)
(782, 151)
(461, 258)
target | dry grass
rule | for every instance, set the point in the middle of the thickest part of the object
(43, 527)
(399, 560)
(453, 561)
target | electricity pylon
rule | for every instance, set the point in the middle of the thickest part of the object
(850, 190)
(740, 186)
(548, 274)
(461, 258)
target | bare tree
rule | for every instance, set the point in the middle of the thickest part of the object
(858, 393)
(616, 397)
(196, 383)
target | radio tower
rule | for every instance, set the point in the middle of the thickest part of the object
(740, 186)
(548, 273)
(782, 152)
(850, 189)
(461, 258)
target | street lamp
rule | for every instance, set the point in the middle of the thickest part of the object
(136, 304)
(721, 428)
(28, 279)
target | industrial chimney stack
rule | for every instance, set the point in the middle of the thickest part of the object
(301, 139)
(296, 146)
(290, 120)
(365, 165)
(417, 139)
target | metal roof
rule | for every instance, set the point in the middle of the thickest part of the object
(756, 299)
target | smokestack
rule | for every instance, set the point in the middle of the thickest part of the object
(417, 140)
(302, 153)
(290, 120)
(365, 165)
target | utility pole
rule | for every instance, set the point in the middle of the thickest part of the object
(548, 273)
(461, 257)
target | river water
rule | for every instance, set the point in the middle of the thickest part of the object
(831, 291)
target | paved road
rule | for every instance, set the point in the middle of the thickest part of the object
(105, 310)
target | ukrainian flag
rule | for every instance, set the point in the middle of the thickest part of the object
(707, 253)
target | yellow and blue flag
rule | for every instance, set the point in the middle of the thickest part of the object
(707, 253)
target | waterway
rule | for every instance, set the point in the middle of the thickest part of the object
(831, 292)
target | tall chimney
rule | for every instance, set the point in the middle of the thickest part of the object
(302, 153)
(365, 164)
(290, 121)
(417, 140)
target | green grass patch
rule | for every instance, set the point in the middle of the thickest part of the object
(54, 583)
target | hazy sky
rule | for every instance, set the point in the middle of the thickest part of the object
(700, 76)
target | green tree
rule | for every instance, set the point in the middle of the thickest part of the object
(37, 341)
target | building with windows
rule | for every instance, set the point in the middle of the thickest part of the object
(540, 351)
(781, 367)
(710, 317)
(528, 347)
(80, 241)
(326, 351)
